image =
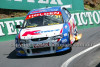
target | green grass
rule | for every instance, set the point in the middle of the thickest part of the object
(6, 13)
(91, 8)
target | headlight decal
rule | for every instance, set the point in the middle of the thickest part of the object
(57, 37)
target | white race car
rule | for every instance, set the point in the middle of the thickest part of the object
(45, 31)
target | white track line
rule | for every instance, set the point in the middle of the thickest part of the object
(66, 63)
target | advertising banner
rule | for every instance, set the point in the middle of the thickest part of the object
(35, 4)
(84, 19)
(87, 19)
(7, 28)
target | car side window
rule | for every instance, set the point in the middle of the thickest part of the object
(66, 15)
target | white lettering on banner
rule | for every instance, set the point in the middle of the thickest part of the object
(83, 15)
(32, 1)
(85, 18)
(43, 1)
(99, 12)
(10, 27)
(78, 18)
(19, 22)
(97, 21)
(89, 15)
(54, 2)
(18, 0)
(1, 32)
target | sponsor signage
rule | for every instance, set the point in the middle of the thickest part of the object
(35, 4)
(7, 28)
(84, 19)
(87, 19)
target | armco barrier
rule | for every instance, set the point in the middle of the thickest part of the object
(84, 19)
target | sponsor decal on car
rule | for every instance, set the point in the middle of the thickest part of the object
(31, 33)
(47, 31)
(42, 14)
(38, 32)
(41, 45)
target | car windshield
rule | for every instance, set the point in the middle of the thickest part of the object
(43, 20)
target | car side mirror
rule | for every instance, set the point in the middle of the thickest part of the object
(18, 26)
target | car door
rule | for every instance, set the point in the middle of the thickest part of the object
(71, 24)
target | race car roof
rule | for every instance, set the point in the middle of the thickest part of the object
(49, 9)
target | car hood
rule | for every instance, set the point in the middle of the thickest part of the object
(42, 31)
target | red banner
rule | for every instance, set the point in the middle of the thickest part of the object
(42, 14)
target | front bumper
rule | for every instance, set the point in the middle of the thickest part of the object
(33, 48)
(30, 52)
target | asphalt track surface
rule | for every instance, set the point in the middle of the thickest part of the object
(90, 37)
(89, 59)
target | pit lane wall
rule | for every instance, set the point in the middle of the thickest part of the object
(84, 19)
